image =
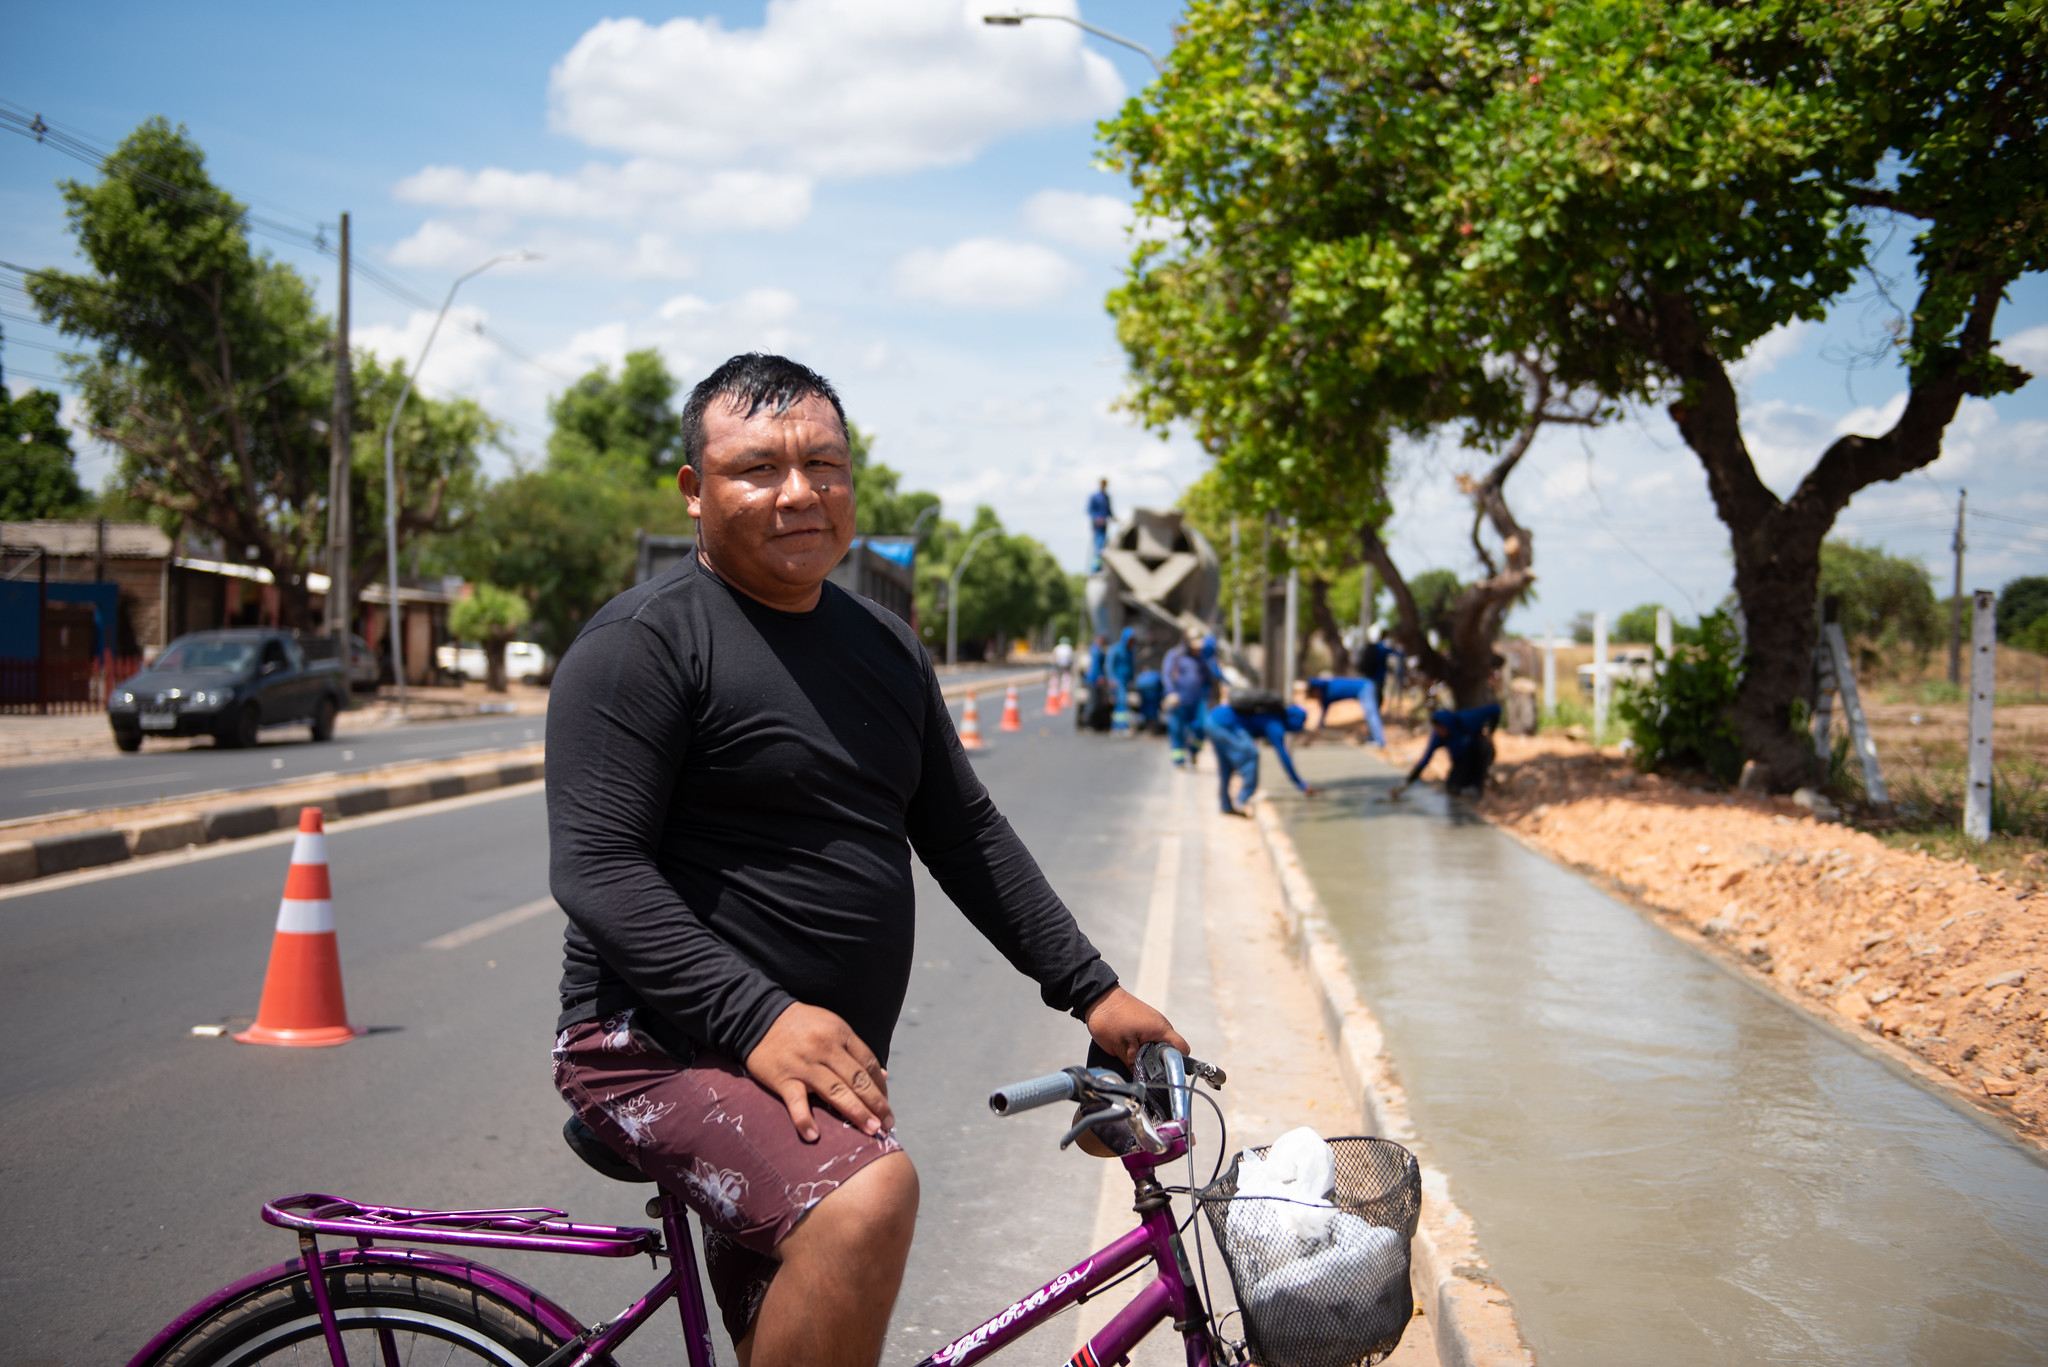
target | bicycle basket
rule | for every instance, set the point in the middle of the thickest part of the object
(1323, 1286)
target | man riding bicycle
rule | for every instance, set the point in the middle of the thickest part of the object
(741, 759)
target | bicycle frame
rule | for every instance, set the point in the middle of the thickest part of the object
(1173, 1295)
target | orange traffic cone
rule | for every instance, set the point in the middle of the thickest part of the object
(1012, 719)
(1052, 695)
(970, 725)
(302, 1003)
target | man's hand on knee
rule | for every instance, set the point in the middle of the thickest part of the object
(810, 1051)
(1121, 1024)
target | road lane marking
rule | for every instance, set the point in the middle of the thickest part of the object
(1155, 974)
(476, 930)
(110, 783)
(197, 853)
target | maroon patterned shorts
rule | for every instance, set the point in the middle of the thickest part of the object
(715, 1137)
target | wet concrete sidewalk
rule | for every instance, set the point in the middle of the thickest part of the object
(1666, 1164)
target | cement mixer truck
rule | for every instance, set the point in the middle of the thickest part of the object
(1161, 578)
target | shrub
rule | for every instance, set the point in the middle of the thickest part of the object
(1680, 719)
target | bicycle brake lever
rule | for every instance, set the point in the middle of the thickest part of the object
(1208, 1072)
(1118, 1110)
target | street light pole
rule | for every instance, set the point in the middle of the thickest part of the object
(1017, 21)
(395, 620)
(953, 596)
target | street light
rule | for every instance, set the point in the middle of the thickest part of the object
(395, 619)
(953, 595)
(1017, 21)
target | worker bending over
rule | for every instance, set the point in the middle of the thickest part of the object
(1234, 729)
(1468, 736)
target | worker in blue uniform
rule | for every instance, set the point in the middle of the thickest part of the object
(1467, 735)
(1235, 732)
(1326, 689)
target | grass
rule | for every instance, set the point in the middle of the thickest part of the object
(1934, 692)
(2023, 862)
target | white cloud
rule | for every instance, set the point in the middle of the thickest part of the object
(827, 87)
(639, 189)
(1779, 344)
(443, 244)
(1093, 223)
(985, 272)
(2029, 348)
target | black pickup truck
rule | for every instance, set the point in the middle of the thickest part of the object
(227, 684)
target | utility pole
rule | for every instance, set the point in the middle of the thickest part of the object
(1236, 594)
(339, 465)
(1983, 691)
(1955, 600)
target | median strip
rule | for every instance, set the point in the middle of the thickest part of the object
(71, 844)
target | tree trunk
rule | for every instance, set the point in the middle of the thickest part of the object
(1776, 543)
(1467, 665)
(494, 663)
(1326, 624)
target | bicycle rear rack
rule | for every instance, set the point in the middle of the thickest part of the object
(536, 1229)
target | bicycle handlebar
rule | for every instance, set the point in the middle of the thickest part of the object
(1035, 1092)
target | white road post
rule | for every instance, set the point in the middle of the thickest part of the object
(1549, 670)
(1599, 676)
(1983, 685)
(1663, 637)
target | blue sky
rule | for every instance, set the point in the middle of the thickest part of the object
(900, 196)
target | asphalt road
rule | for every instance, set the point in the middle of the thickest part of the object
(134, 1156)
(285, 754)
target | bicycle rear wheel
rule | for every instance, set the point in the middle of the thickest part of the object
(392, 1315)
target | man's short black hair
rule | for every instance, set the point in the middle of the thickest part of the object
(747, 384)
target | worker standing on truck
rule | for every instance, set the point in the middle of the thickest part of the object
(1099, 514)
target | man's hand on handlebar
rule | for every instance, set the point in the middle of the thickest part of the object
(810, 1051)
(1121, 1023)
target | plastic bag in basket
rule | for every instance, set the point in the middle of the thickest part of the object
(1321, 1283)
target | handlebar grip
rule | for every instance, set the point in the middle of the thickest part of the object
(1038, 1091)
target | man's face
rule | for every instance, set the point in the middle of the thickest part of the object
(775, 499)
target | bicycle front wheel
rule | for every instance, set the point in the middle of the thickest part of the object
(386, 1315)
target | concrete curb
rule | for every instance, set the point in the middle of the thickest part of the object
(1474, 1320)
(23, 861)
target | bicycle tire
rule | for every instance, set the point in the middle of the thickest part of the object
(278, 1324)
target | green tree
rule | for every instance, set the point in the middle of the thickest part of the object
(1885, 603)
(1376, 198)
(879, 508)
(624, 428)
(1638, 626)
(436, 456)
(38, 476)
(2021, 603)
(1012, 586)
(492, 617)
(205, 369)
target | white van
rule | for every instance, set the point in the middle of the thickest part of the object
(525, 662)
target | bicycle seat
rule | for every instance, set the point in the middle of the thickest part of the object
(584, 1143)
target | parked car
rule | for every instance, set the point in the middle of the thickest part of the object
(364, 668)
(228, 684)
(525, 662)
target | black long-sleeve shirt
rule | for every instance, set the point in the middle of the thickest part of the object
(733, 796)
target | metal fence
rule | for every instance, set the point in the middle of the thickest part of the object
(54, 687)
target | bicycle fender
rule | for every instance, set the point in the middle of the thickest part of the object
(552, 1317)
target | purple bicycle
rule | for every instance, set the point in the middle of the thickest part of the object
(375, 1304)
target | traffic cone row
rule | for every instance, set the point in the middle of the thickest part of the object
(302, 1003)
(970, 725)
(1012, 720)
